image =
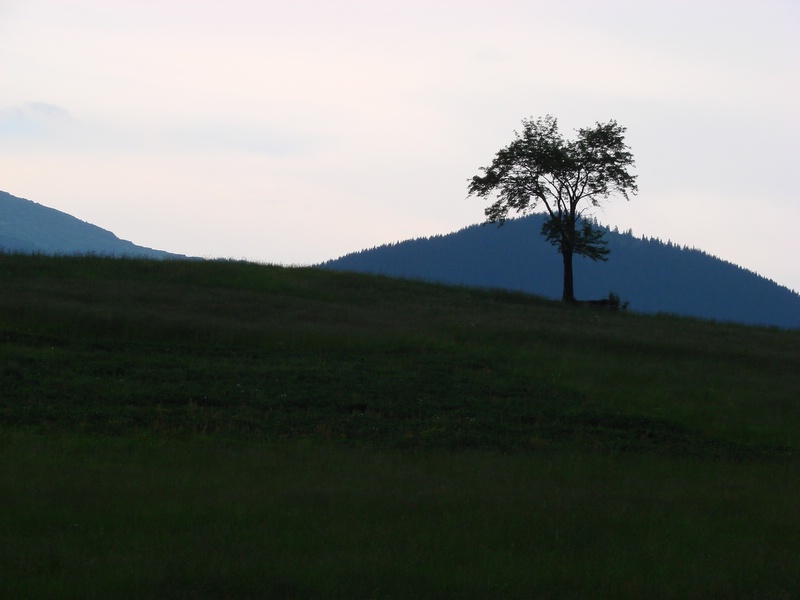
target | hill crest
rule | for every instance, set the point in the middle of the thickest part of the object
(652, 275)
(29, 227)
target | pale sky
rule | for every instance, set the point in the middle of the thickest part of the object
(295, 132)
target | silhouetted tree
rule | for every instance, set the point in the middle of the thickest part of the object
(540, 166)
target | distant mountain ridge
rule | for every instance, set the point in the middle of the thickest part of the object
(652, 275)
(28, 227)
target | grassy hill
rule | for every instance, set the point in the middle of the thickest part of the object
(226, 429)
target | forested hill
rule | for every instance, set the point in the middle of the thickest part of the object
(26, 226)
(653, 276)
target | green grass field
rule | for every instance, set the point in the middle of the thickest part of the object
(196, 429)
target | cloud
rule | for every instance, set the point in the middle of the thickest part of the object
(32, 119)
(46, 111)
(254, 139)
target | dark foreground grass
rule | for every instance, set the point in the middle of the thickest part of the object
(151, 517)
(401, 393)
(196, 429)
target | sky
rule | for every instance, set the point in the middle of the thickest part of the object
(296, 132)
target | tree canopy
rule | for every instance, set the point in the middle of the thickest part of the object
(567, 177)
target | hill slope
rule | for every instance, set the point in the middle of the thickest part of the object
(652, 275)
(345, 435)
(136, 343)
(28, 227)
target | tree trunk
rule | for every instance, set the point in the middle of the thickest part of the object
(569, 291)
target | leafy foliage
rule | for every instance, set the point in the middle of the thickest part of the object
(588, 240)
(540, 167)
